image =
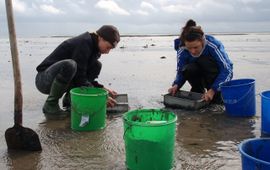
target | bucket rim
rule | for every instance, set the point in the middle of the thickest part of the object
(126, 120)
(265, 97)
(223, 85)
(240, 146)
(103, 93)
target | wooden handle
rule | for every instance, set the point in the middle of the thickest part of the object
(18, 100)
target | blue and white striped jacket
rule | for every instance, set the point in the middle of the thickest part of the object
(213, 48)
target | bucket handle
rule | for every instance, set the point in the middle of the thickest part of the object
(129, 127)
(234, 101)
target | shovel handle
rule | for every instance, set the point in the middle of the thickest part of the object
(18, 100)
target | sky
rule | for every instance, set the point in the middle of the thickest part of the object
(72, 17)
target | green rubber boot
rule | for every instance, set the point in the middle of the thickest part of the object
(51, 107)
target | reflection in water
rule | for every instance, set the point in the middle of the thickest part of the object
(208, 139)
(67, 149)
(20, 160)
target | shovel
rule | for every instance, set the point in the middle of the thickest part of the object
(18, 137)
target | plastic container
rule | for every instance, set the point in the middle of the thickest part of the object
(88, 108)
(149, 136)
(255, 154)
(265, 109)
(239, 97)
(121, 105)
(185, 100)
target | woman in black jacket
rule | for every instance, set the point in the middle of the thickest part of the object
(74, 63)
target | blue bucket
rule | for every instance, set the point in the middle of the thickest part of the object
(239, 97)
(265, 108)
(255, 154)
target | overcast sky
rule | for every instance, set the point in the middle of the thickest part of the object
(72, 17)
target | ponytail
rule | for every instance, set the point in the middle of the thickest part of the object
(190, 23)
(191, 32)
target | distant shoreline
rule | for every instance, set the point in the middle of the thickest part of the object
(157, 35)
(168, 35)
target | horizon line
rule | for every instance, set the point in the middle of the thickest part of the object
(165, 35)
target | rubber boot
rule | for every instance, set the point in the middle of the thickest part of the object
(66, 102)
(51, 107)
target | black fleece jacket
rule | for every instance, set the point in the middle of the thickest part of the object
(83, 49)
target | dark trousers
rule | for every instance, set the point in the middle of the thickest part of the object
(64, 71)
(201, 75)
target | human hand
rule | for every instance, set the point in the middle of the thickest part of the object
(112, 93)
(209, 95)
(173, 90)
(111, 102)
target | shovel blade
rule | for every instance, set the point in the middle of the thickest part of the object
(22, 138)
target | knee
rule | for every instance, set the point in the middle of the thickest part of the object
(70, 66)
(190, 71)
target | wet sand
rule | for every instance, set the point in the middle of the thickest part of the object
(142, 67)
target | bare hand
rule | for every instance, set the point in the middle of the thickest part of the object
(209, 95)
(173, 90)
(111, 102)
(112, 93)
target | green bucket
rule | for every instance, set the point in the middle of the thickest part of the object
(149, 136)
(88, 108)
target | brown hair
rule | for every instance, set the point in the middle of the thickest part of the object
(191, 32)
(109, 33)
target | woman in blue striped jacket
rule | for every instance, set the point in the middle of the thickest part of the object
(202, 61)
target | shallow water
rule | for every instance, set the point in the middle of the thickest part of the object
(205, 139)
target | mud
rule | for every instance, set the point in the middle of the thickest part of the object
(205, 139)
